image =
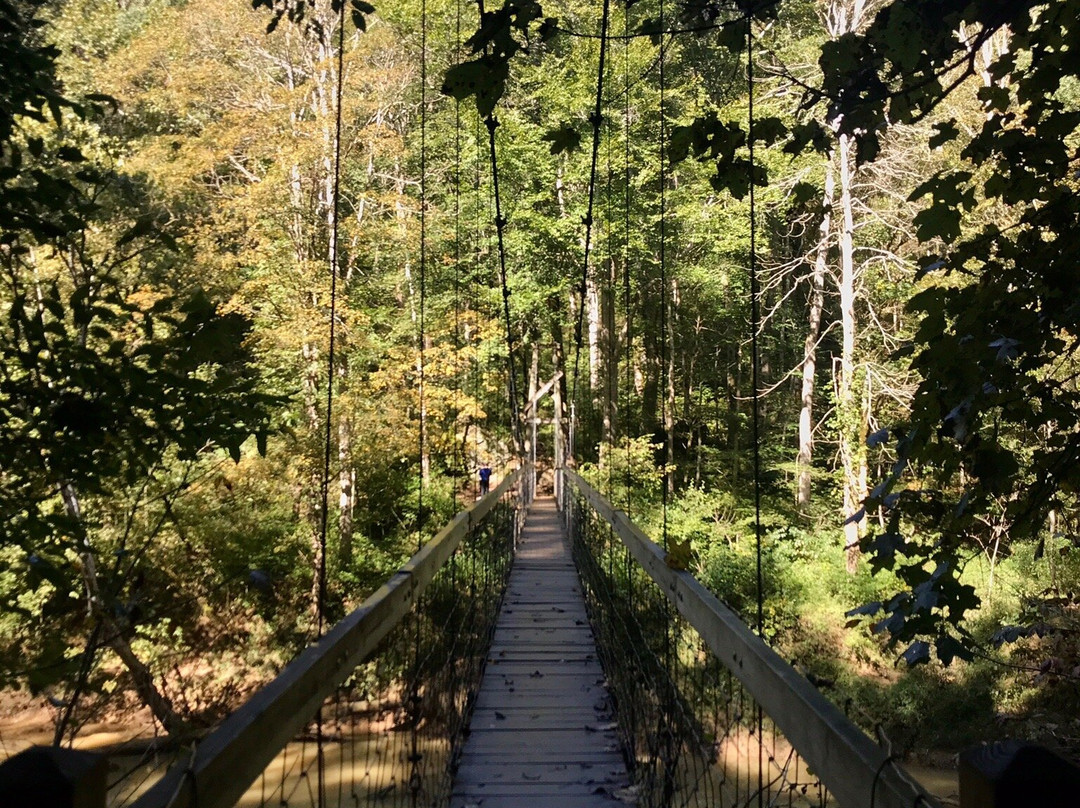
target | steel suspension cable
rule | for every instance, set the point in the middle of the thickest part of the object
(414, 697)
(332, 256)
(422, 325)
(500, 226)
(626, 246)
(596, 119)
(492, 124)
(458, 460)
(477, 232)
(664, 374)
(755, 324)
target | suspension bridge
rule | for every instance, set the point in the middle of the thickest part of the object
(535, 652)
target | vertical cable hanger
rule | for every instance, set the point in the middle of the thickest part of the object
(596, 119)
(414, 696)
(477, 254)
(332, 260)
(665, 381)
(492, 124)
(611, 375)
(626, 243)
(755, 325)
(458, 459)
(422, 325)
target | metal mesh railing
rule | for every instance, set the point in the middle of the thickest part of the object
(396, 681)
(392, 731)
(700, 700)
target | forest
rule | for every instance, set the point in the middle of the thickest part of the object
(803, 271)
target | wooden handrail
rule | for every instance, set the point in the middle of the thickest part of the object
(224, 765)
(858, 772)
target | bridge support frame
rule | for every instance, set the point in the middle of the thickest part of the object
(54, 777)
(1011, 774)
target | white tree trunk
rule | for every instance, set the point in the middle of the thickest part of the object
(805, 457)
(851, 437)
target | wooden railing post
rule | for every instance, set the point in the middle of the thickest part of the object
(52, 777)
(1014, 774)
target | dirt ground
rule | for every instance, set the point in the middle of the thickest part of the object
(27, 720)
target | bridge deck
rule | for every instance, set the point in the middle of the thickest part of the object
(542, 732)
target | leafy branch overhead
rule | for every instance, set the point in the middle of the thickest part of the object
(991, 431)
(502, 34)
(301, 12)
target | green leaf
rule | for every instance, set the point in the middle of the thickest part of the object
(918, 653)
(483, 78)
(548, 29)
(944, 132)
(733, 36)
(769, 130)
(949, 648)
(564, 139)
(70, 153)
(938, 221)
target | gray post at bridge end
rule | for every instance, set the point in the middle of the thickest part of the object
(1010, 774)
(53, 777)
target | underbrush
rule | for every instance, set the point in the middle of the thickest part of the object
(1022, 682)
(219, 600)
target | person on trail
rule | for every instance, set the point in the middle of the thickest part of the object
(485, 480)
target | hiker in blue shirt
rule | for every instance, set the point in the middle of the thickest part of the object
(485, 480)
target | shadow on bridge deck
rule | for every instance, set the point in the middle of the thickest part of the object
(542, 732)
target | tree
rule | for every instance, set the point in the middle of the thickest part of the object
(990, 446)
(103, 381)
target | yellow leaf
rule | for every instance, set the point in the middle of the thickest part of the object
(679, 555)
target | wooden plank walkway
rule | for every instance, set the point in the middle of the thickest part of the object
(542, 731)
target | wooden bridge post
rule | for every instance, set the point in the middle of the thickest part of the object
(52, 777)
(560, 452)
(1011, 774)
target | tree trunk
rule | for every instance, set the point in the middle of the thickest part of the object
(669, 410)
(851, 437)
(347, 494)
(805, 457)
(610, 356)
(117, 629)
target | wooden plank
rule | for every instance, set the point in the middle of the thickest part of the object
(529, 745)
(532, 716)
(541, 732)
(588, 784)
(850, 764)
(594, 696)
(609, 769)
(562, 686)
(564, 801)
